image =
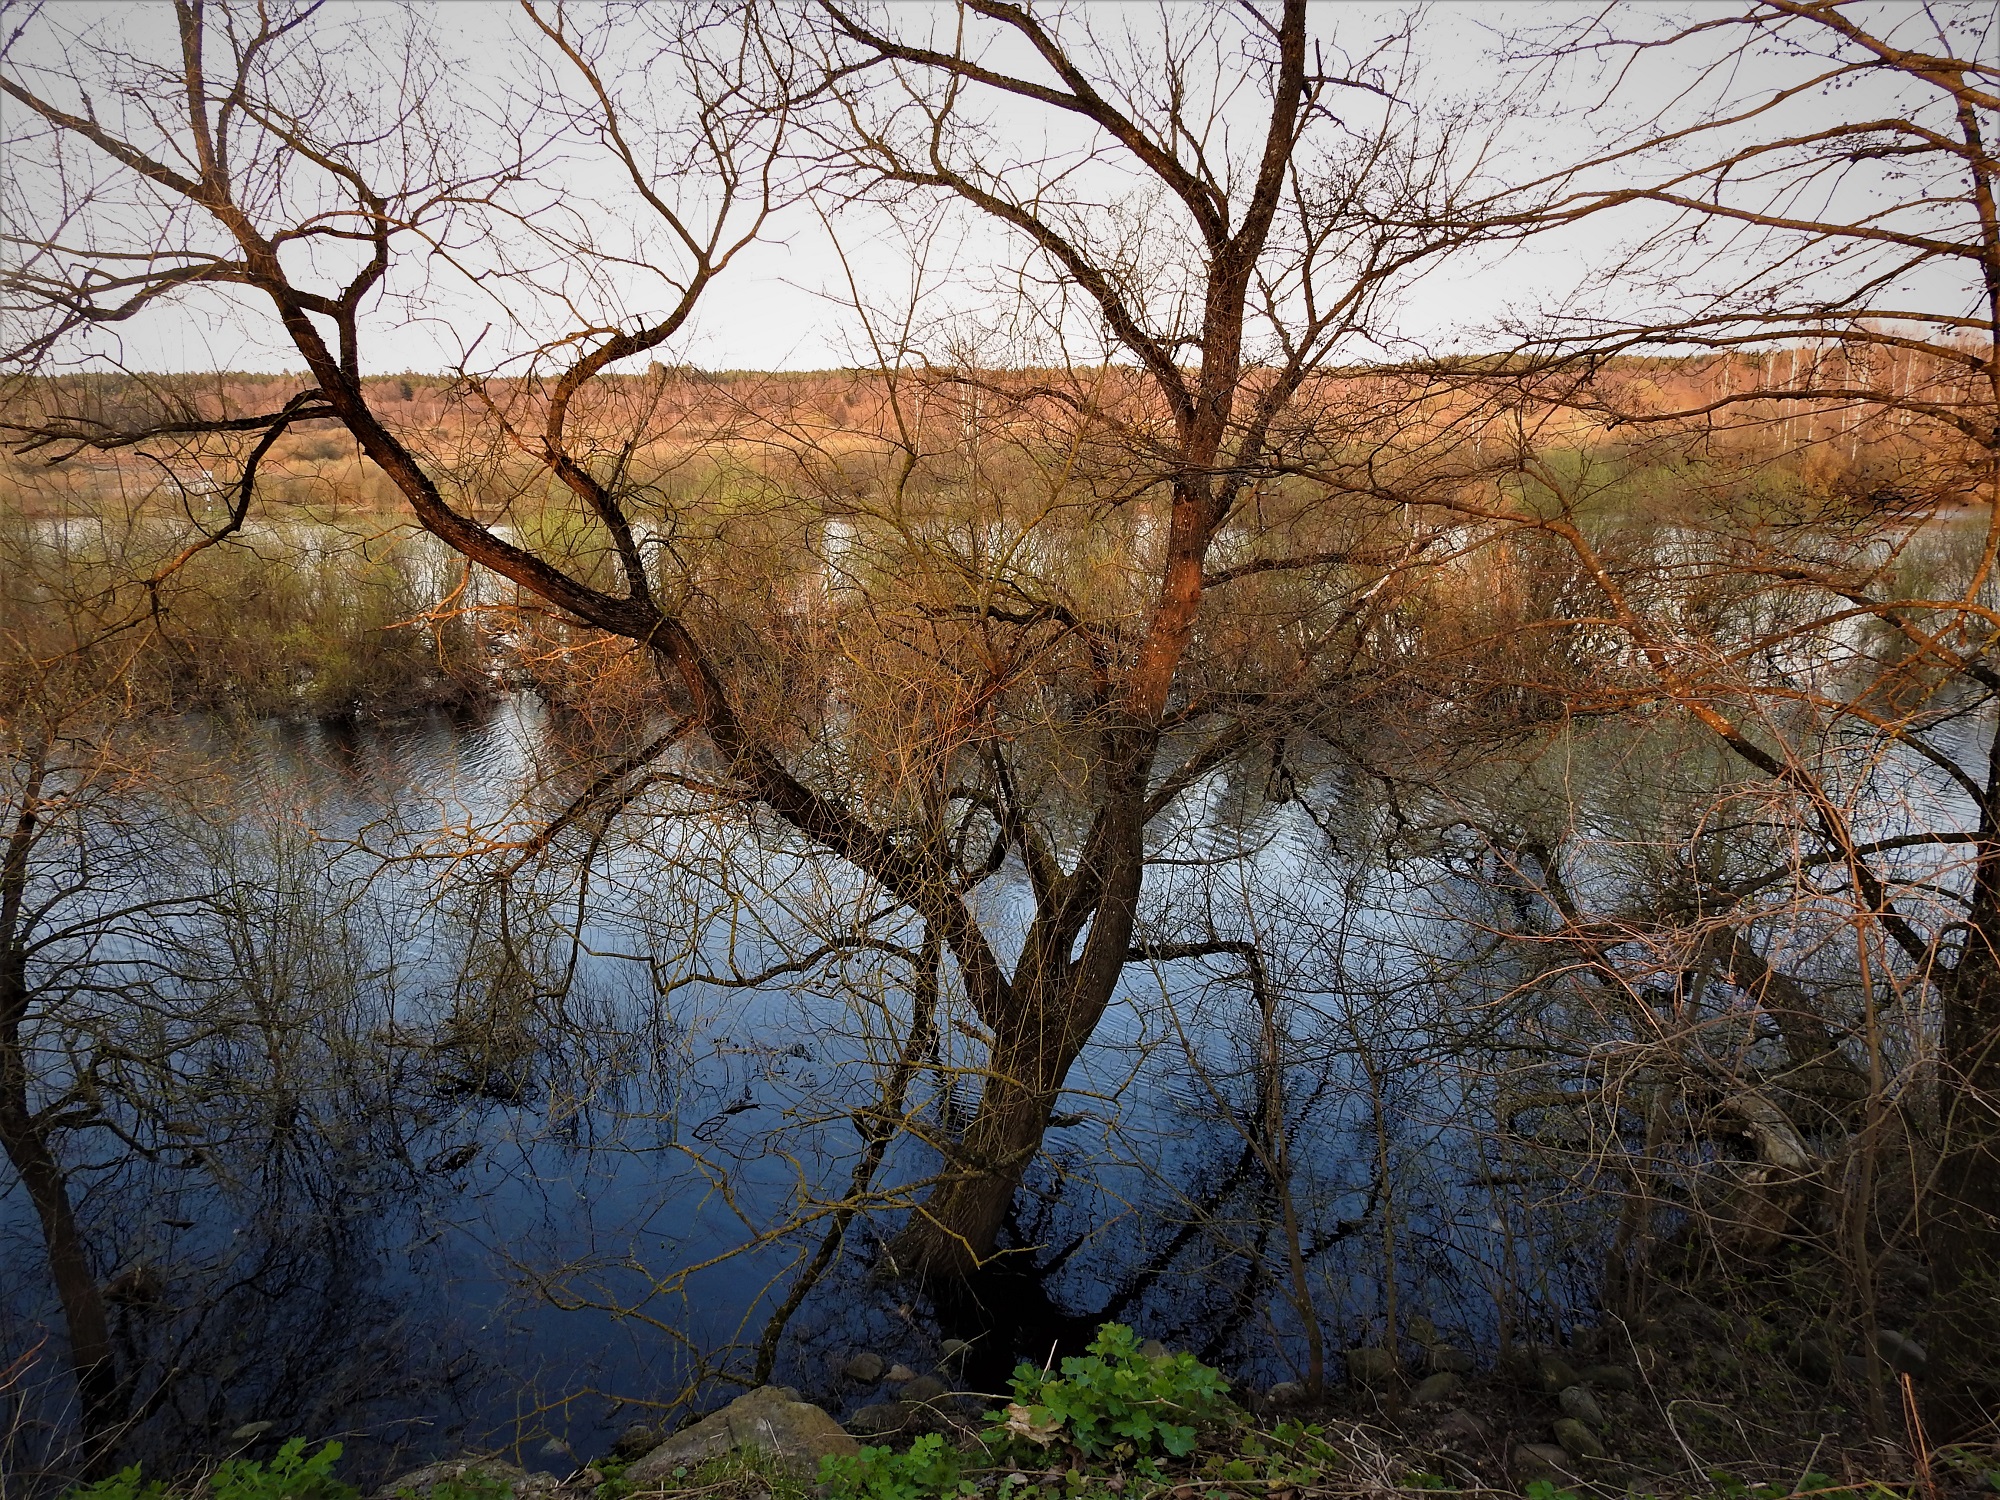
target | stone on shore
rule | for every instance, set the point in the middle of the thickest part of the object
(883, 1417)
(1435, 1390)
(1461, 1426)
(418, 1483)
(635, 1441)
(771, 1419)
(864, 1368)
(1370, 1366)
(1577, 1402)
(1543, 1461)
(1611, 1378)
(1903, 1355)
(1445, 1360)
(1577, 1439)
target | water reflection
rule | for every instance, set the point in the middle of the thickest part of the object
(551, 1156)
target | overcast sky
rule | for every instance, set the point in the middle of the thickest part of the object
(789, 300)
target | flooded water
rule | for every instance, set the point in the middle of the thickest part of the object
(513, 1200)
(438, 1160)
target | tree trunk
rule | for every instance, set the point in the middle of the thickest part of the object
(954, 1231)
(27, 1143)
(82, 1299)
(1962, 1224)
(1040, 1024)
(1962, 1217)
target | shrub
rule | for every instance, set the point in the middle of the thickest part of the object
(292, 1474)
(1114, 1399)
(927, 1471)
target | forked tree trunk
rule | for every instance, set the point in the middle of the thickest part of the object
(957, 1227)
(1041, 1024)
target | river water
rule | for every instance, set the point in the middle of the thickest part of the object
(511, 1172)
(590, 1224)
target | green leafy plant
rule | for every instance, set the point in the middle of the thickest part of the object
(292, 1474)
(615, 1486)
(928, 1470)
(1542, 1489)
(124, 1485)
(1292, 1454)
(1114, 1400)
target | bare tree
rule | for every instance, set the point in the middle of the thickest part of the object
(1817, 241)
(1191, 296)
(1246, 210)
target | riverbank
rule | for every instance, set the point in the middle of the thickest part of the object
(1140, 1422)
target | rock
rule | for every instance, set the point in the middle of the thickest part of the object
(1812, 1357)
(1286, 1393)
(1435, 1390)
(1543, 1461)
(1577, 1439)
(249, 1432)
(1856, 1367)
(418, 1483)
(636, 1441)
(1461, 1426)
(1611, 1378)
(1153, 1349)
(1421, 1331)
(1537, 1369)
(955, 1348)
(882, 1417)
(863, 1369)
(1903, 1355)
(794, 1432)
(1446, 1360)
(1370, 1366)
(1585, 1340)
(591, 1477)
(1577, 1402)
(924, 1388)
(900, 1373)
(555, 1450)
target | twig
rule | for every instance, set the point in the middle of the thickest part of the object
(1920, 1446)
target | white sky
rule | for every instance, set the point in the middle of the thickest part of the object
(786, 303)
